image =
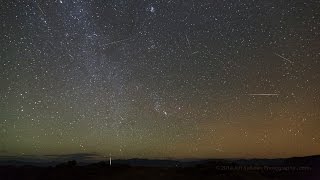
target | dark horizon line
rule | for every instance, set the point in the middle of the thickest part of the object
(96, 157)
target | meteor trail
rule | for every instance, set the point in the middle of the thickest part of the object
(40, 9)
(263, 94)
(188, 41)
(116, 42)
(283, 58)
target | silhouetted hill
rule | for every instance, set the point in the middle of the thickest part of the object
(148, 162)
(313, 161)
(290, 168)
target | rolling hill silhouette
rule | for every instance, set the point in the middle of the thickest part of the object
(282, 168)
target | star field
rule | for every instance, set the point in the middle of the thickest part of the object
(160, 79)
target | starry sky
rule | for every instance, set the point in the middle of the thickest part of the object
(160, 79)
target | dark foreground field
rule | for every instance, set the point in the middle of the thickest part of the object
(293, 168)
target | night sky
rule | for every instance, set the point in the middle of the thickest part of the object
(160, 79)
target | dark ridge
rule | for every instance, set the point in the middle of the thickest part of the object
(284, 168)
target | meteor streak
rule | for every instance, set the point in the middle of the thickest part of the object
(263, 94)
(283, 58)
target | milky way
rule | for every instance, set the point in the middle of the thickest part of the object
(160, 79)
